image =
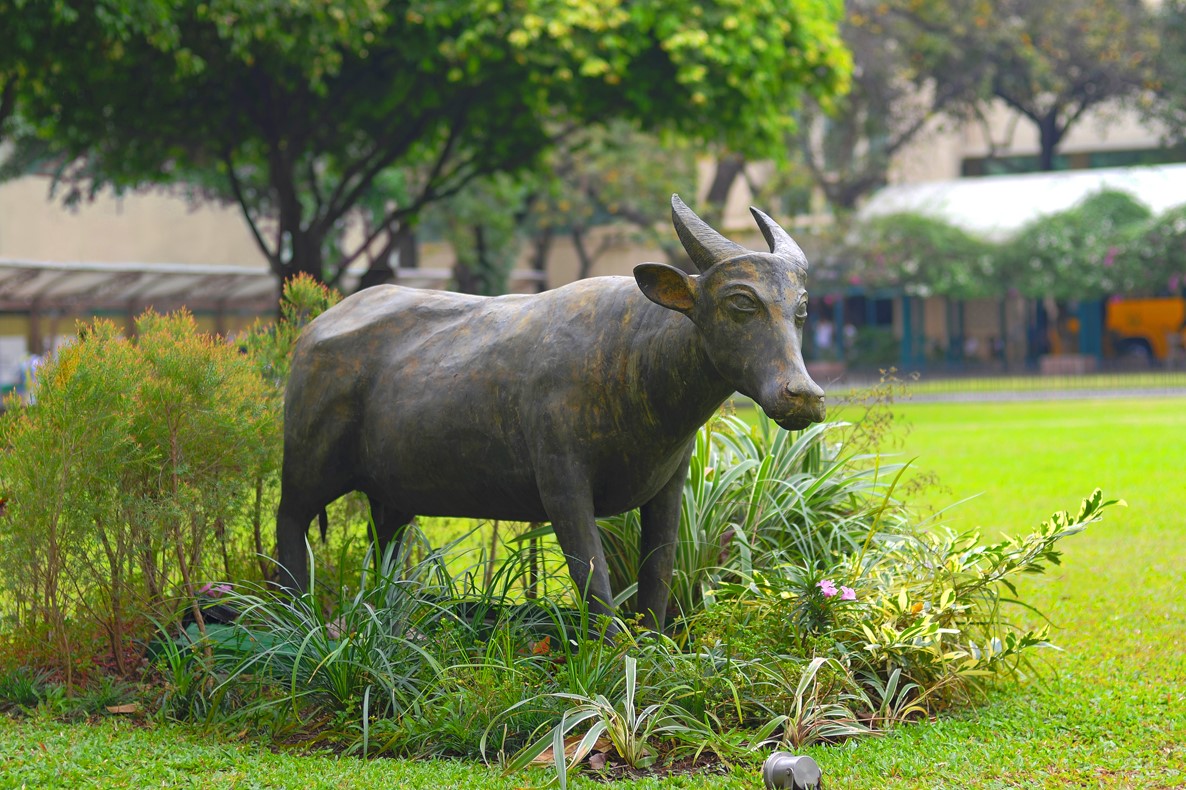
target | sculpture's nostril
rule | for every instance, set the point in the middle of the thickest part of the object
(802, 396)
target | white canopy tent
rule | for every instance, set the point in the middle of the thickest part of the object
(997, 206)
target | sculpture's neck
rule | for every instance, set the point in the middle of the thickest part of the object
(679, 382)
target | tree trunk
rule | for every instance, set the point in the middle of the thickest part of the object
(729, 166)
(1049, 136)
(306, 256)
(585, 260)
(541, 245)
(403, 246)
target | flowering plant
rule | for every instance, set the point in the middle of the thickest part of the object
(828, 588)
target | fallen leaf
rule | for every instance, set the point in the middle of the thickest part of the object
(570, 748)
(597, 760)
(131, 707)
(542, 647)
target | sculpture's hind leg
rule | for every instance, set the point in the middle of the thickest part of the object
(302, 498)
(292, 526)
(389, 525)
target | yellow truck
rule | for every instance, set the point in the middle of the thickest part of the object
(1149, 329)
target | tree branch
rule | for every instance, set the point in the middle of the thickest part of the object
(237, 189)
(365, 169)
(7, 101)
(314, 188)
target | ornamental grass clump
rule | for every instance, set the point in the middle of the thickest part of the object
(758, 496)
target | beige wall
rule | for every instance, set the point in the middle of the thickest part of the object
(137, 228)
(938, 154)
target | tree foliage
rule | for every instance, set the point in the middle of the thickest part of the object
(1169, 104)
(1151, 258)
(613, 173)
(924, 256)
(1110, 243)
(1051, 62)
(295, 110)
(1073, 254)
(898, 87)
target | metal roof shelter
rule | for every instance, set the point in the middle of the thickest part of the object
(82, 287)
(997, 206)
(27, 286)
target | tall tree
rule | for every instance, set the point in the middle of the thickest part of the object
(613, 174)
(295, 109)
(1167, 105)
(1051, 62)
(898, 88)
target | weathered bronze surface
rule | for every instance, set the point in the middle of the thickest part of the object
(564, 406)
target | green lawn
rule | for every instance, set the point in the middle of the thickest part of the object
(1150, 380)
(1115, 714)
(1112, 714)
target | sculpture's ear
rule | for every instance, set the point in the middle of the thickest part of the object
(666, 286)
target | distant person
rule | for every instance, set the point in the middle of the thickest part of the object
(28, 377)
(823, 336)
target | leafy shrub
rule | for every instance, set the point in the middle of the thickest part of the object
(1151, 258)
(132, 461)
(924, 256)
(1070, 255)
(1108, 243)
(757, 497)
(920, 614)
(144, 467)
(270, 344)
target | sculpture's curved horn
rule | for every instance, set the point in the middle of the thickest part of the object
(780, 241)
(704, 245)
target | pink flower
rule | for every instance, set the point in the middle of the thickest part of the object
(827, 587)
(847, 593)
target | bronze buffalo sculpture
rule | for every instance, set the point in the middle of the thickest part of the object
(564, 406)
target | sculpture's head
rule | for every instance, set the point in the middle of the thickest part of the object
(749, 307)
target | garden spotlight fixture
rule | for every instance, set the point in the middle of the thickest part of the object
(787, 771)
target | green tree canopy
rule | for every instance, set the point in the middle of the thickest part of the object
(1050, 61)
(1168, 100)
(1073, 254)
(296, 109)
(924, 256)
(1151, 258)
(900, 83)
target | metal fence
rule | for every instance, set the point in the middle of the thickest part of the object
(1003, 385)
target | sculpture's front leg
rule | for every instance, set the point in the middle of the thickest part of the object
(660, 536)
(568, 501)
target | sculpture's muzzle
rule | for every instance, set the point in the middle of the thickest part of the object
(799, 405)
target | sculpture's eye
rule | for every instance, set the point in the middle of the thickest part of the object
(742, 303)
(801, 312)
